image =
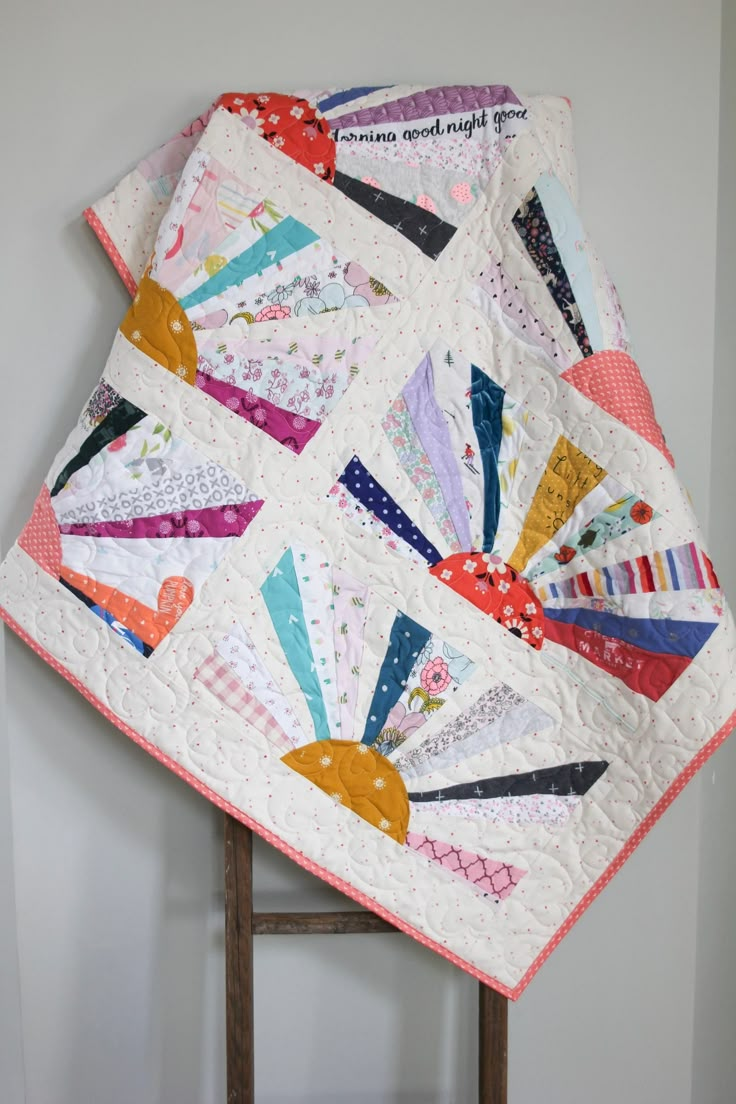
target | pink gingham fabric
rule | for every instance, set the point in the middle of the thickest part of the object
(222, 681)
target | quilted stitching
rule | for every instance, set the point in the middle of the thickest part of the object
(613, 380)
(519, 813)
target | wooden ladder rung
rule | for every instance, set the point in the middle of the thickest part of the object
(241, 924)
(319, 923)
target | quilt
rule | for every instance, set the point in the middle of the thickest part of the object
(369, 531)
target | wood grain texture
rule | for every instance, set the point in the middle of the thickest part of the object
(239, 962)
(493, 1012)
(319, 923)
(241, 924)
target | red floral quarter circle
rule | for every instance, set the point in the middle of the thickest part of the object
(497, 589)
(291, 124)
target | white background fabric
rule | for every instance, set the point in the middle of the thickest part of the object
(116, 863)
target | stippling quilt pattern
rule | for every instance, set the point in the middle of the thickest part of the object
(369, 530)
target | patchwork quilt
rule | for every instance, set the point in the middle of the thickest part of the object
(369, 530)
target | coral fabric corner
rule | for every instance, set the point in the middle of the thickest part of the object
(369, 530)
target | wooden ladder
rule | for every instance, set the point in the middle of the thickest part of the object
(242, 923)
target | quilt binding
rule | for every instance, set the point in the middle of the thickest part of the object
(110, 248)
(672, 791)
(513, 993)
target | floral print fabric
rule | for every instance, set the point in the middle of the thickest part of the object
(535, 232)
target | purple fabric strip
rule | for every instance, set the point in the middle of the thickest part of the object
(686, 572)
(447, 100)
(212, 521)
(432, 431)
(292, 430)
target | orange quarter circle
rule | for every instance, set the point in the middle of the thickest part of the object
(157, 325)
(359, 778)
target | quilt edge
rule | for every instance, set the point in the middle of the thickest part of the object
(94, 221)
(265, 833)
(673, 790)
(513, 993)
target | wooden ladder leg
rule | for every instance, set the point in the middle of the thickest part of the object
(239, 962)
(493, 1012)
(241, 925)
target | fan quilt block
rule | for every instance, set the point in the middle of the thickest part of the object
(369, 530)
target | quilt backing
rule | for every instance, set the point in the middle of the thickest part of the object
(369, 530)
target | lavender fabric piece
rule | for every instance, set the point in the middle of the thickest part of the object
(433, 433)
(445, 100)
(685, 569)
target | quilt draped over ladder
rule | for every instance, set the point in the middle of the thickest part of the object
(369, 530)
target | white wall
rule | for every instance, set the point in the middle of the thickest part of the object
(11, 1037)
(714, 1053)
(117, 863)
